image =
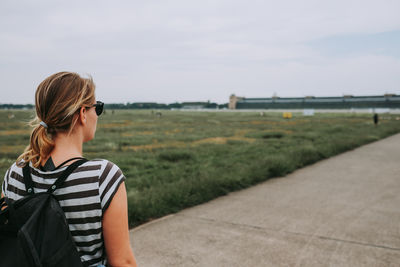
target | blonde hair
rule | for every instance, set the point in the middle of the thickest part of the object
(57, 99)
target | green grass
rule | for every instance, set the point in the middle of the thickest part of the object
(187, 158)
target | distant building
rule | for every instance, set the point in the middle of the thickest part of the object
(199, 105)
(144, 104)
(194, 105)
(311, 102)
(233, 101)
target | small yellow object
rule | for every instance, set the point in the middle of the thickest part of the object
(287, 115)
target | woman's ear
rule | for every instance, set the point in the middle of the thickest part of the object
(82, 116)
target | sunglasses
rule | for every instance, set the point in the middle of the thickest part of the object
(99, 107)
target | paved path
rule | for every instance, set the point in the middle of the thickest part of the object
(344, 211)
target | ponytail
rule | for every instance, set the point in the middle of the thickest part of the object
(40, 146)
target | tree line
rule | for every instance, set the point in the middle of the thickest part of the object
(137, 105)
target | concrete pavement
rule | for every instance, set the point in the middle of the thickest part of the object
(343, 211)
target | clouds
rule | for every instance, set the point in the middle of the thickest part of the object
(179, 50)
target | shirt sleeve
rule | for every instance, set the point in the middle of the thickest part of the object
(109, 181)
(5, 183)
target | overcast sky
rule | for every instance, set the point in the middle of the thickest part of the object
(182, 50)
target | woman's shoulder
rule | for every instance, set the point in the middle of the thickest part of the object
(110, 177)
(103, 165)
(15, 168)
(13, 172)
(100, 162)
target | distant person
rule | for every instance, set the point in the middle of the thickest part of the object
(94, 196)
(376, 118)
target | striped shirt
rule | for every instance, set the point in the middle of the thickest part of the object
(84, 197)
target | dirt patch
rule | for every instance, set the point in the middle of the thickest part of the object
(15, 132)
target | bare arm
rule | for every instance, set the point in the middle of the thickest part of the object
(116, 231)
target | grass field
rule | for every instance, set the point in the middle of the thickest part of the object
(185, 158)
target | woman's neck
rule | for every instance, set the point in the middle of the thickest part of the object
(66, 146)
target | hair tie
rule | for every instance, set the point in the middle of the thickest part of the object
(44, 124)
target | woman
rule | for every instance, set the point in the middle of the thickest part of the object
(94, 196)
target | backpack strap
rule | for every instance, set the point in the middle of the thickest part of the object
(65, 162)
(29, 183)
(65, 174)
(28, 179)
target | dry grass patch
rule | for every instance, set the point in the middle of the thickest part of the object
(15, 132)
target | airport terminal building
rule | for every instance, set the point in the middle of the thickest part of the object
(390, 101)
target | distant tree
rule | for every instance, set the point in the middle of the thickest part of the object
(16, 106)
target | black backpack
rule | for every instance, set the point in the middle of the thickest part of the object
(34, 230)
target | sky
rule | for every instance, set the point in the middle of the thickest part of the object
(181, 50)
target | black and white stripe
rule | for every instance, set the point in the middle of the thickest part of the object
(84, 197)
